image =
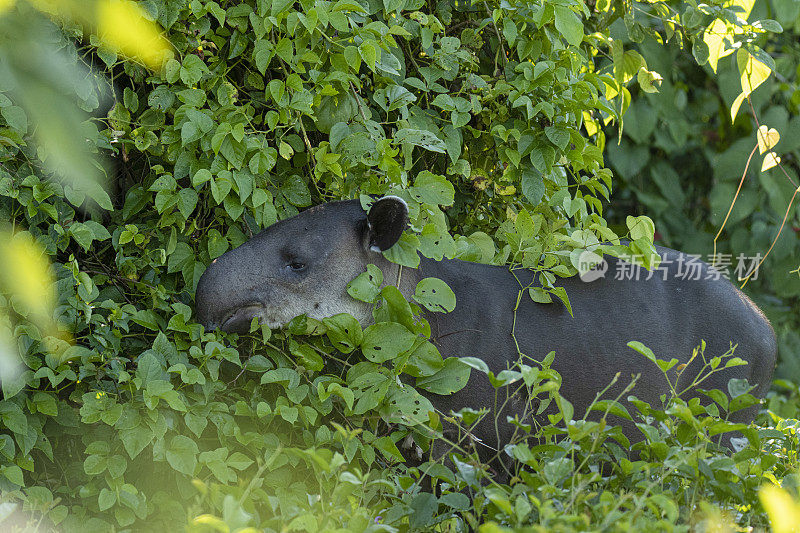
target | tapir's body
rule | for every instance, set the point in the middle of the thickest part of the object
(334, 243)
(591, 346)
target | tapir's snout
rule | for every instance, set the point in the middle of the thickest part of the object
(227, 297)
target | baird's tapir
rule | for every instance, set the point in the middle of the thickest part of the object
(303, 265)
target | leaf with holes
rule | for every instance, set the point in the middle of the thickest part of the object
(425, 360)
(386, 340)
(432, 189)
(344, 331)
(405, 405)
(422, 138)
(367, 285)
(435, 295)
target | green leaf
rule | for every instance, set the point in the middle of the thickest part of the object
(561, 294)
(406, 406)
(425, 360)
(432, 189)
(136, 439)
(641, 227)
(385, 341)
(422, 138)
(285, 150)
(558, 135)
(106, 499)
(96, 192)
(149, 368)
(82, 235)
(288, 413)
(435, 243)
(370, 389)
(649, 80)
(404, 252)
(94, 465)
(368, 53)
(192, 69)
(510, 31)
(16, 118)
(532, 186)
(398, 97)
(353, 57)
(452, 377)
(117, 466)
(295, 190)
(613, 407)
(187, 201)
(220, 187)
(344, 332)
(394, 308)
(100, 231)
(423, 507)
(343, 392)
(307, 356)
(367, 285)
(435, 295)
(557, 469)
(217, 244)
(288, 376)
(45, 403)
(13, 473)
(568, 24)
(200, 177)
(239, 461)
(182, 454)
(476, 363)
(13, 384)
(737, 387)
(642, 349)
(13, 418)
(244, 182)
(540, 295)
(180, 257)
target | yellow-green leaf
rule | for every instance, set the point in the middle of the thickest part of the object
(770, 160)
(736, 105)
(752, 72)
(714, 37)
(767, 138)
(649, 80)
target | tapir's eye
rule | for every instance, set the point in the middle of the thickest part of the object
(296, 266)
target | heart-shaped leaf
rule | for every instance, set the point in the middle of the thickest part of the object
(767, 138)
(770, 160)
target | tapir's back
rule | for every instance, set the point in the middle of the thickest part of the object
(663, 309)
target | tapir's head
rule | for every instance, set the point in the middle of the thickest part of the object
(299, 265)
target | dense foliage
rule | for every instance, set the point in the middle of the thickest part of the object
(486, 118)
(681, 158)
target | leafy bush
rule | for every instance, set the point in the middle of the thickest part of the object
(681, 158)
(486, 119)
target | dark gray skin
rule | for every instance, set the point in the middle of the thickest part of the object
(303, 265)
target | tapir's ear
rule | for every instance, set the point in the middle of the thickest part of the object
(387, 219)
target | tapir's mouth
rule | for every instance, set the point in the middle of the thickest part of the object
(238, 320)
